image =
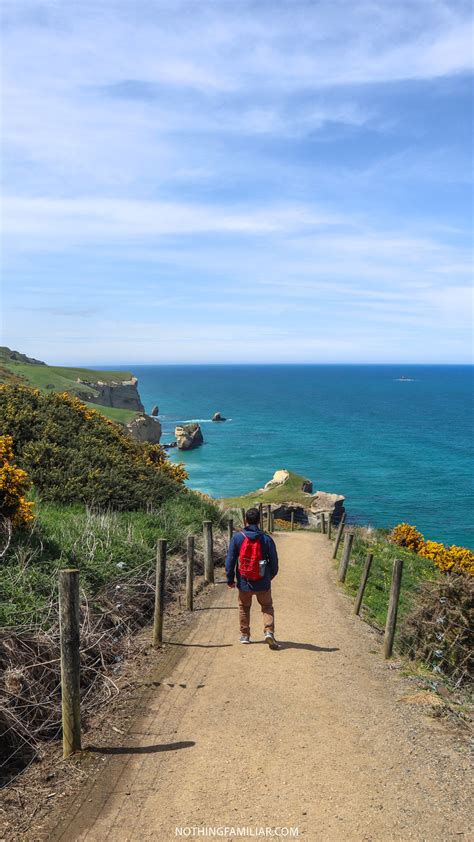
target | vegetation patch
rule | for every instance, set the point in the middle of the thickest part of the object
(72, 453)
(290, 491)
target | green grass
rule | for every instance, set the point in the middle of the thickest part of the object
(121, 416)
(415, 571)
(59, 378)
(105, 546)
(289, 492)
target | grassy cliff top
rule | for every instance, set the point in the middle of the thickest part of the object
(17, 368)
(289, 491)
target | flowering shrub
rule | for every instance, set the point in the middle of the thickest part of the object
(14, 483)
(73, 454)
(407, 536)
(447, 559)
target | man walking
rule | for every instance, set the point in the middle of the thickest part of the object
(252, 559)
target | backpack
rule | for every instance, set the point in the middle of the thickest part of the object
(251, 558)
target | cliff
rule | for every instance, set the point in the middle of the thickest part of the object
(122, 394)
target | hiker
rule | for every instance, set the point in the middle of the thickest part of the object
(252, 559)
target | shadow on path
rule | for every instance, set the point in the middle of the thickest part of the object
(140, 749)
(219, 608)
(290, 644)
(199, 645)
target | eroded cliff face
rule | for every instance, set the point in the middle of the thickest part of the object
(145, 428)
(120, 395)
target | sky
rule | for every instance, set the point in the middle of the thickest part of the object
(194, 181)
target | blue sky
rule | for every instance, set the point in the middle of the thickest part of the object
(237, 180)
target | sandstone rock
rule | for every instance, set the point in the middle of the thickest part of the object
(218, 417)
(121, 395)
(283, 511)
(324, 501)
(188, 436)
(145, 428)
(155, 412)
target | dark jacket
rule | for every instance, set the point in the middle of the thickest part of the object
(232, 561)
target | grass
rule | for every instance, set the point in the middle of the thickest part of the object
(289, 492)
(105, 546)
(58, 378)
(415, 571)
(121, 416)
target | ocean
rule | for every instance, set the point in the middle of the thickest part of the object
(397, 441)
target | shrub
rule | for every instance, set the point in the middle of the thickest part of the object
(439, 629)
(447, 559)
(72, 453)
(14, 483)
(407, 536)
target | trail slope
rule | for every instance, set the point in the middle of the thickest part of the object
(313, 736)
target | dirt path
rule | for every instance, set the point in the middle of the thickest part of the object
(313, 736)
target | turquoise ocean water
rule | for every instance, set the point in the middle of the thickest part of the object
(397, 449)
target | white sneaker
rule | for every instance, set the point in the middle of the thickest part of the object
(244, 638)
(270, 639)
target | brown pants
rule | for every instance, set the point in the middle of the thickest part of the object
(266, 604)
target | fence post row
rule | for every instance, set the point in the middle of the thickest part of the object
(348, 541)
(363, 582)
(157, 633)
(339, 535)
(391, 623)
(70, 660)
(190, 573)
(208, 552)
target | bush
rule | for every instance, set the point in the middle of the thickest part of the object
(14, 484)
(439, 629)
(447, 559)
(73, 454)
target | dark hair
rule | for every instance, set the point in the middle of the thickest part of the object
(252, 516)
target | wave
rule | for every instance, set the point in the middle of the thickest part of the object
(205, 421)
(404, 379)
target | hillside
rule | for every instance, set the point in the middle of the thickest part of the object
(17, 368)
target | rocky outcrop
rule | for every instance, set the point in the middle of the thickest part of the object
(145, 428)
(188, 436)
(155, 412)
(324, 501)
(118, 394)
(218, 417)
(283, 511)
(281, 477)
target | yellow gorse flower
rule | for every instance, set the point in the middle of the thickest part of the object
(14, 483)
(456, 559)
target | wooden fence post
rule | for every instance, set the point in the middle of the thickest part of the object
(230, 529)
(260, 514)
(242, 512)
(348, 541)
(329, 526)
(292, 521)
(208, 552)
(339, 535)
(157, 637)
(190, 573)
(391, 623)
(323, 523)
(269, 518)
(363, 582)
(70, 660)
